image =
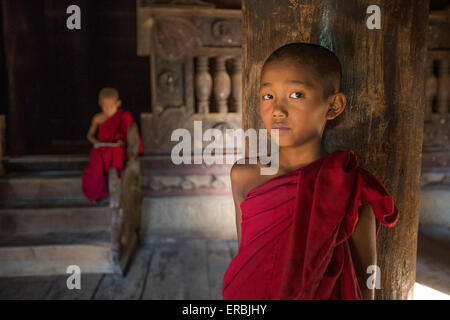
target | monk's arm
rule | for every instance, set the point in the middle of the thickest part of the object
(92, 129)
(363, 248)
(237, 187)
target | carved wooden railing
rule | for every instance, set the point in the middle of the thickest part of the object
(195, 57)
(437, 83)
(125, 201)
(224, 84)
(436, 139)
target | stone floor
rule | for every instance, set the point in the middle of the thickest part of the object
(192, 269)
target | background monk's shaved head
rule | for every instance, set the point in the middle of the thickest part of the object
(323, 63)
(108, 93)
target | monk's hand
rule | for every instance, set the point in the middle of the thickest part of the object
(121, 143)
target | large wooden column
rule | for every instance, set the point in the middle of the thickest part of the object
(384, 83)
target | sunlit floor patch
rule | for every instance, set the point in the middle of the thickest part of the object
(422, 292)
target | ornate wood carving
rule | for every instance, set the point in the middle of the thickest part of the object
(203, 85)
(443, 87)
(222, 85)
(236, 80)
(436, 143)
(174, 36)
(165, 185)
(183, 42)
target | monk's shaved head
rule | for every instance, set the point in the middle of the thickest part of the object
(108, 93)
(323, 63)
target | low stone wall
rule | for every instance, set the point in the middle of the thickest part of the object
(205, 216)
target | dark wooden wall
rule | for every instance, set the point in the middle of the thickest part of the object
(3, 91)
(24, 43)
(54, 74)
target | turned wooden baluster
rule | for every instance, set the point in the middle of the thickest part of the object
(443, 84)
(430, 87)
(222, 85)
(203, 85)
(236, 80)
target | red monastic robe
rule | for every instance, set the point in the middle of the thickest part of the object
(295, 231)
(95, 176)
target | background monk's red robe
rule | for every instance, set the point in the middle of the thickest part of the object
(94, 178)
(295, 230)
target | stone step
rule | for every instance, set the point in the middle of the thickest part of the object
(18, 220)
(29, 163)
(49, 185)
(52, 253)
(51, 203)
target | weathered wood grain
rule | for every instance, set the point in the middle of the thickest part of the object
(165, 278)
(89, 284)
(42, 220)
(132, 285)
(51, 254)
(25, 288)
(195, 269)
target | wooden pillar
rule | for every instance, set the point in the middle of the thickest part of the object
(384, 83)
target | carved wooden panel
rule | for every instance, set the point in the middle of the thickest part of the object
(436, 143)
(195, 68)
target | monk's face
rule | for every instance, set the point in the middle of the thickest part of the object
(290, 97)
(109, 106)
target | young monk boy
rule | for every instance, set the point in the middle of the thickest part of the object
(309, 231)
(110, 144)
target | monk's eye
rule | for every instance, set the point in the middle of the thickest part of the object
(265, 96)
(296, 95)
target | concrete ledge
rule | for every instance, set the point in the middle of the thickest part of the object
(211, 217)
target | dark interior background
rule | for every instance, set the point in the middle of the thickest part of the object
(50, 76)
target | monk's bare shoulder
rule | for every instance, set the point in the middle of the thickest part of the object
(244, 177)
(98, 118)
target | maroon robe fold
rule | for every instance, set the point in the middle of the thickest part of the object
(94, 178)
(295, 231)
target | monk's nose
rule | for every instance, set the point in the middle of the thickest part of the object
(279, 110)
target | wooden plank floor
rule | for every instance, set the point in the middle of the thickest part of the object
(433, 263)
(187, 269)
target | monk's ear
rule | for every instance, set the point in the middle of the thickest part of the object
(337, 103)
(119, 103)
